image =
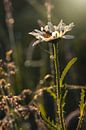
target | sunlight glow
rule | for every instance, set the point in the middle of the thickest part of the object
(78, 3)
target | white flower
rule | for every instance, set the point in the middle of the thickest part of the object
(51, 32)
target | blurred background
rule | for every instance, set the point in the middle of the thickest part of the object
(18, 17)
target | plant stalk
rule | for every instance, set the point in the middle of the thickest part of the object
(59, 109)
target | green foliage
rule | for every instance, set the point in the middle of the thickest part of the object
(63, 98)
(47, 121)
(66, 69)
(82, 103)
(82, 108)
(51, 93)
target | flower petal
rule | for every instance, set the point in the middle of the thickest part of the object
(38, 31)
(60, 26)
(36, 42)
(51, 27)
(51, 32)
(68, 37)
(37, 35)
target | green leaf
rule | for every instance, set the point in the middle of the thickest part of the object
(66, 69)
(42, 109)
(82, 102)
(51, 93)
(63, 98)
(50, 124)
(46, 120)
(82, 108)
(20, 129)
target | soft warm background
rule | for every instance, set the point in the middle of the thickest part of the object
(33, 63)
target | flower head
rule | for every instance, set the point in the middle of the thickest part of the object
(51, 32)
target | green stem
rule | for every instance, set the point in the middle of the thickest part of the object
(59, 108)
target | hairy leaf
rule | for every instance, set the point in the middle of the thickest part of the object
(82, 108)
(66, 69)
(49, 123)
(46, 120)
